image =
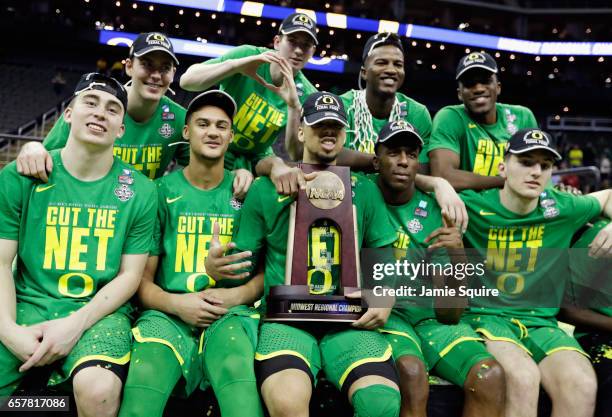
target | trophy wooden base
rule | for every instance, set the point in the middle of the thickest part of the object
(295, 303)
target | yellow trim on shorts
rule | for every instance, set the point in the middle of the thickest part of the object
(489, 336)
(260, 357)
(354, 365)
(522, 328)
(140, 339)
(119, 361)
(455, 342)
(403, 334)
(550, 352)
(201, 344)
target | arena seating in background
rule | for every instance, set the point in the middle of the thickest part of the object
(27, 92)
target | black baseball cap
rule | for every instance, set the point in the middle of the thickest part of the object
(321, 106)
(380, 39)
(215, 98)
(401, 131)
(526, 140)
(97, 81)
(299, 22)
(152, 41)
(476, 60)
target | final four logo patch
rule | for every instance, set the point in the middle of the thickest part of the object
(166, 131)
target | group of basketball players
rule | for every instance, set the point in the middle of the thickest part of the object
(83, 230)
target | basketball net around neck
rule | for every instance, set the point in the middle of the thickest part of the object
(364, 134)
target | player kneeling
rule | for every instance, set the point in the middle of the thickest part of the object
(81, 242)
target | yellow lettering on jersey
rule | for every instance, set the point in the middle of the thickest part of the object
(226, 225)
(103, 235)
(55, 247)
(185, 250)
(64, 285)
(77, 248)
(488, 156)
(63, 216)
(152, 167)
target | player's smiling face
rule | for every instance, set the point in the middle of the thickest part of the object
(95, 118)
(297, 48)
(323, 141)
(383, 69)
(478, 90)
(527, 174)
(209, 132)
(151, 74)
(397, 165)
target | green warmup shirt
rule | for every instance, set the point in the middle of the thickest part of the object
(522, 251)
(480, 147)
(413, 222)
(149, 147)
(184, 228)
(411, 111)
(264, 225)
(261, 113)
(72, 233)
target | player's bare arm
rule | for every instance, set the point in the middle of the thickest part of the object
(20, 340)
(245, 294)
(60, 336)
(34, 161)
(288, 180)
(200, 77)
(445, 163)
(602, 244)
(586, 318)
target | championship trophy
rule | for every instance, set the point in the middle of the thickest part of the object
(326, 201)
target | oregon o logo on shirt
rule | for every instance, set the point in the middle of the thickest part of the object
(506, 280)
(63, 285)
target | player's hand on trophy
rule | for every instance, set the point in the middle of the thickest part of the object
(198, 309)
(58, 338)
(22, 341)
(601, 246)
(447, 236)
(249, 65)
(374, 317)
(220, 266)
(451, 204)
(289, 180)
(34, 161)
(243, 178)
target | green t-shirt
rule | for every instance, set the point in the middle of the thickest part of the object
(183, 231)
(261, 113)
(149, 147)
(264, 223)
(413, 222)
(522, 251)
(480, 147)
(71, 233)
(411, 111)
(589, 284)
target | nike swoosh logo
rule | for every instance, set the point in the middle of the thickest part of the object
(486, 213)
(172, 200)
(283, 198)
(471, 125)
(42, 188)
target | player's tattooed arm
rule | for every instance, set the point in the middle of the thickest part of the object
(586, 318)
(445, 163)
(288, 180)
(21, 341)
(34, 161)
(200, 77)
(60, 335)
(448, 309)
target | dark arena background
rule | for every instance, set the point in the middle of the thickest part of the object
(554, 57)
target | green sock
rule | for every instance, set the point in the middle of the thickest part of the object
(153, 373)
(229, 365)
